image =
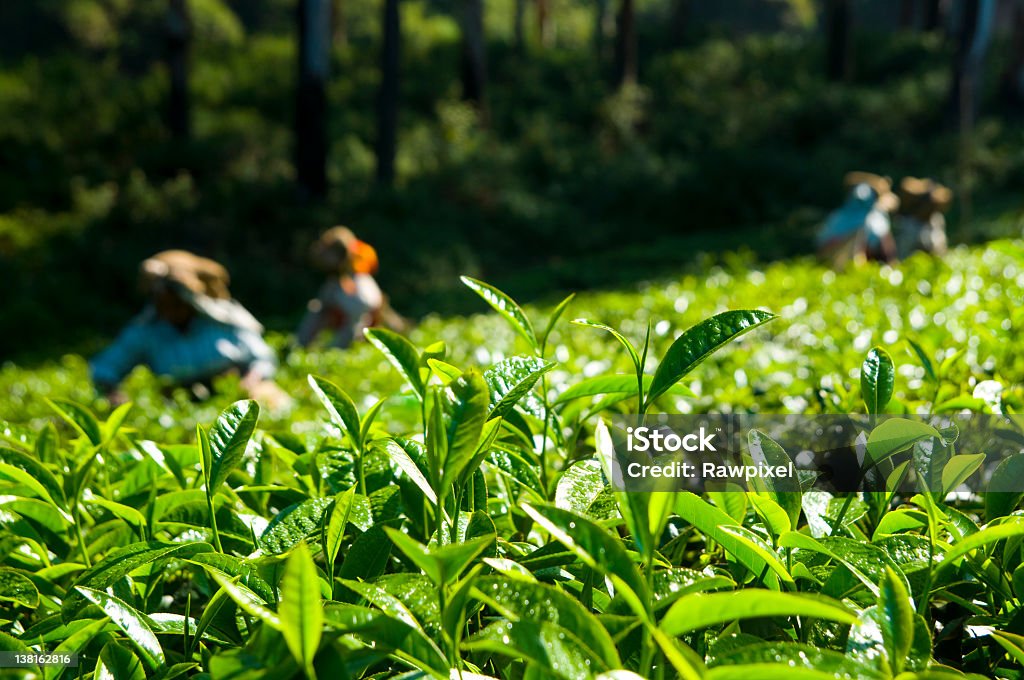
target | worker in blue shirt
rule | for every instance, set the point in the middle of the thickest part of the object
(190, 331)
(860, 229)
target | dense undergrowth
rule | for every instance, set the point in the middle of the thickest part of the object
(438, 506)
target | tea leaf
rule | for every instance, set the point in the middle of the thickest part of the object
(17, 588)
(795, 656)
(877, 379)
(511, 380)
(1013, 644)
(895, 435)
(117, 662)
(505, 306)
(623, 340)
(959, 469)
(132, 622)
(124, 512)
(336, 525)
(123, 561)
(401, 458)
(922, 356)
(518, 600)
(752, 542)
(767, 671)
(866, 643)
(401, 354)
(299, 608)
(684, 660)
(229, 436)
(231, 566)
(968, 544)
(368, 555)
(550, 648)
(442, 565)
(75, 643)
(556, 314)
(23, 478)
(468, 401)
(37, 471)
(785, 491)
(340, 407)
(580, 486)
(897, 620)
(596, 548)
(624, 385)
(711, 522)
(1005, 488)
(866, 562)
(293, 524)
(246, 599)
(775, 518)
(79, 418)
(703, 610)
(698, 343)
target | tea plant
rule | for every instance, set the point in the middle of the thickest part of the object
(461, 524)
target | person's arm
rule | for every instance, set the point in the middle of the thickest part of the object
(258, 379)
(110, 366)
(261, 358)
(389, 318)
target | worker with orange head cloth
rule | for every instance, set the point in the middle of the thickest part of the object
(350, 299)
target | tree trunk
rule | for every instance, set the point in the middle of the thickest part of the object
(972, 44)
(545, 28)
(839, 48)
(907, 8)
(934, 15)
(474, 65)
(387, 105)
(973, 38)
(625, 44)
(179, 33)
(1012, 85)
(340, 24)
(518, 26)
(600, 28)
(311, 99)
(679, 14)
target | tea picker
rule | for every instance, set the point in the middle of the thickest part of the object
(860, 229)
(350, 299)
(190, 331)
(921, 224)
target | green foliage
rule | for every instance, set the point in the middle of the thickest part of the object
(449, 511)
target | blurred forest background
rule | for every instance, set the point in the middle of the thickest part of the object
(543, 145)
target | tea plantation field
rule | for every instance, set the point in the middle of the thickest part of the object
(433, 507)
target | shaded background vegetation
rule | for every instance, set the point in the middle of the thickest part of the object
(578, 157)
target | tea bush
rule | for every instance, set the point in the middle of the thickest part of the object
(437, 506)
